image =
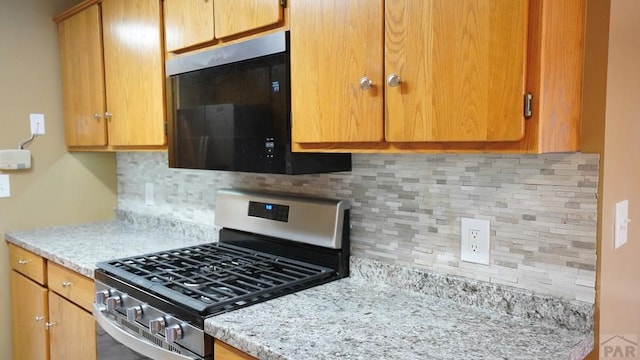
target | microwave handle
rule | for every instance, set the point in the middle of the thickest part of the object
(133, 342)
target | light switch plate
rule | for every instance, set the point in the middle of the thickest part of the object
(621, 223)
(5, 188)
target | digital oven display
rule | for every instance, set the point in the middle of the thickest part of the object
(269, 211)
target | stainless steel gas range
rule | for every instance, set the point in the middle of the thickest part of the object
(269, 245)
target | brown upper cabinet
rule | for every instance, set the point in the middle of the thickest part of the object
(436, 75)
(113, 75)
(189, 23)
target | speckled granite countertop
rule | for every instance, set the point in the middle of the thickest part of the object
(80, 247)
(422, 316)
(356, 319)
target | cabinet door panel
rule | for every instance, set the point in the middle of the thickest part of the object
(237, 16)
(224, 351)
(134, 72)
(29, 314)
(73, 332)
(83, 78)
(187, 23)
(462, 67)
(334, 44)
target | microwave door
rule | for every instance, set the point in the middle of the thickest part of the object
(192, 144)
(219, 121)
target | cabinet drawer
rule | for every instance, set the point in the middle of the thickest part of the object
(71, 285)
(27, 263)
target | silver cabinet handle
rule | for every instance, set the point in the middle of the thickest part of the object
(365, 83)
(97, 116)
(49, 325)
(108, 115)
(23, 262)
(394, 80)
(66, 283)
(39, 318)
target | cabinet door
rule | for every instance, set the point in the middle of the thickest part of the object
(237, 16)
(134, 72)
(462, 67)
(336, 44)
(224, 351)
(73, 331)
(187, 23)
(29, 314)
(83, 78)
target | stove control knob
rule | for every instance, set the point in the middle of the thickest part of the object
(134, 313)
(101, 296)
(113, 302)
(173, 333)
(157, 325)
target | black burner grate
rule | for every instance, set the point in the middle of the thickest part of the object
(215, 276)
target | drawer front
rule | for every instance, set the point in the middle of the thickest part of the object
(71, 285)
(27, 263)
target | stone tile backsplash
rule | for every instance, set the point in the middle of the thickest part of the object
(406, 210)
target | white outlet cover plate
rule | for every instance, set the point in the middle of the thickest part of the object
(621, 223)
(5, 188)
(148, 194)
(482, 255)
(37, 123)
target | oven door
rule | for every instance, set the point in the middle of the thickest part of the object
(117, 342)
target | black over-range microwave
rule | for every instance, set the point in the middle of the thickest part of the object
(229, 108)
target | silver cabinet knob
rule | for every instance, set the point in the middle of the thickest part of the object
(39, 318)
(23, 262)
(394, 80)
(101, 296)
(157, 325)
(365, 83)
(108, 115)
(113, 302)
(134, 313)
(66, 283)
(48, 325)
(173, 333)
(97, 116)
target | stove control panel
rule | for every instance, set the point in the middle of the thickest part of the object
(150, 322)
(269, 211)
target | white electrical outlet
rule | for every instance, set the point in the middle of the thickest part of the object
(5, 188)
(37, 124)
(474, 241)
(148, 194)
(621, 223)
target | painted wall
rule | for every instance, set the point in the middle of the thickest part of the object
(620, 269)
(60, 188)
(406, 210)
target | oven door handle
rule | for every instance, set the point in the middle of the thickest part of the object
(131, 341)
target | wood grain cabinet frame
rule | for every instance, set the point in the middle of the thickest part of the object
(50, 309)
(436, 75)
(112, 65)
(190, 24)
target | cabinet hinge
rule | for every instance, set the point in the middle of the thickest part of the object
(283, 3)
(528, 105)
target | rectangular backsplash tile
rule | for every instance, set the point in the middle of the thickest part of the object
(406, 210)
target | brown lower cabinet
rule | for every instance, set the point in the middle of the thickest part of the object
(224, 351)
(51, 320)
